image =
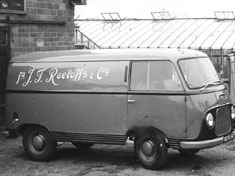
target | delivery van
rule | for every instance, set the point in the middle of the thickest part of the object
(159, 98)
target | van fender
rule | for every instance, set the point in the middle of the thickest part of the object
(22, 128)
(138, 131)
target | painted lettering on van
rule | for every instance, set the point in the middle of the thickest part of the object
(54, 75)
(27, 80)
(103, 71)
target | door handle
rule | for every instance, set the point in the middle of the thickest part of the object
(131, 101)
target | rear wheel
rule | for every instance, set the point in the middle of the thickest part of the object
(38, 144)
(151, 150)
(82, 145)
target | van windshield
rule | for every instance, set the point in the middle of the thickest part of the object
(199, 73)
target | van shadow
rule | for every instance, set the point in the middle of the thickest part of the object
(103, 154)
(125, 157)
(178, 161)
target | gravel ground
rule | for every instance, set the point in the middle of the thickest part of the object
(111, 160)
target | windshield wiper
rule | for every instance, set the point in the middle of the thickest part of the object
(211, 84)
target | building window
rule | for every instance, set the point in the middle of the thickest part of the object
(12, 4)
(3, 37)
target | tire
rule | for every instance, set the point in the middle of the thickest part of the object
(189, 152)
(38, 144)
(82, 145)
(151, 150)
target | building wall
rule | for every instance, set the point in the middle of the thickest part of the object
(44, 25)
(37, 25)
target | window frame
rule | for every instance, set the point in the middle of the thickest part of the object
(181, 71)
(10, 10)
(3, 36)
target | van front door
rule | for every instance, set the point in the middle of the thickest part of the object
(156, 98)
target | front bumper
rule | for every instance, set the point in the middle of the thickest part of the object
(206, 143)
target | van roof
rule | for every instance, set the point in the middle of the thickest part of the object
(107, 54)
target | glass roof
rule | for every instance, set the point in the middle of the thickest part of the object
(172, 33)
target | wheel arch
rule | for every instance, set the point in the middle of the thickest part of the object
(138, 131)
(22, 128)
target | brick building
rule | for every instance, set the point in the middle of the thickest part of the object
(33, 25)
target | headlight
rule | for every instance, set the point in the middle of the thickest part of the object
(232, 113)
(210, 120)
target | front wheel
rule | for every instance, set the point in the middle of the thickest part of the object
(151, 150)
(38, 144)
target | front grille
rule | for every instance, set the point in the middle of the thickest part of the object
(174, 143)
(223, 121)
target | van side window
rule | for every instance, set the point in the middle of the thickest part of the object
(154, 75)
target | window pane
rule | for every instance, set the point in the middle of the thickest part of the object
(139, 76)
(154, 75)
(17, 5)
(4, 4)
(3, 37)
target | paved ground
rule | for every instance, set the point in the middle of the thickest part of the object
(104, 160)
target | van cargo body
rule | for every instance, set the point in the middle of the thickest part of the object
(161, 98)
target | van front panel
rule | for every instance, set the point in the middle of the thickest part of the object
(198, 105)
(206, 95)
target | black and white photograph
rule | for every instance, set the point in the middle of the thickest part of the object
(117, 88)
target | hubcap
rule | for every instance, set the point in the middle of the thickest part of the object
(148, 148)
(39, 142)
